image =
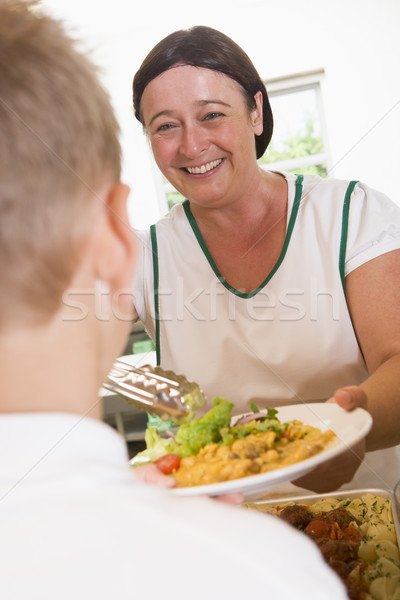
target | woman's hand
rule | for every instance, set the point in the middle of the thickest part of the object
(329, 476)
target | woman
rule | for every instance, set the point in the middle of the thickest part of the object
(262, 286)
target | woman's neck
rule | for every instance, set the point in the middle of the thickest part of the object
(263, 206)
(246, 240)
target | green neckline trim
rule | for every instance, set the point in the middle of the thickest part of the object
(156, 276)
(345, 228)
(199, 237)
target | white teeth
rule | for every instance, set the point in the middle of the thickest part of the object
(204, 168)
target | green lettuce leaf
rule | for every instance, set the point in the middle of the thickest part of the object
(193, 436)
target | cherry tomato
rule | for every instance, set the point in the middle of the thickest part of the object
(168, 463)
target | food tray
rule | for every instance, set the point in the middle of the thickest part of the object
(392, 582)
(311, 499)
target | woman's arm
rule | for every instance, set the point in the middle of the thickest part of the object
(373, 298)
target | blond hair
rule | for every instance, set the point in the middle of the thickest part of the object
(59, 145)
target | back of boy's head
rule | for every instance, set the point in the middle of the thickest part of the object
(59, 145)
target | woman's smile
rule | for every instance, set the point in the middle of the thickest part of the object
(204, 168)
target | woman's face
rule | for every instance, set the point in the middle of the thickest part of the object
(202, 134)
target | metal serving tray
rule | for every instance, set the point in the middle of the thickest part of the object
(351, 494)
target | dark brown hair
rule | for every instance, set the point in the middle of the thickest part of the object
(210, 49)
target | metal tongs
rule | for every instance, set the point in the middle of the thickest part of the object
(152, 389)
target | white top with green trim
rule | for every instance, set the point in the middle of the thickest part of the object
(291, 339)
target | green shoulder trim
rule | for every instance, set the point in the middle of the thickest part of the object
(292, 220)
(345, 228)
(156, 277)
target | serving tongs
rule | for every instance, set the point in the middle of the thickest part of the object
(152, 389)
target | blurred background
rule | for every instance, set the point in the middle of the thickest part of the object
(331, 69)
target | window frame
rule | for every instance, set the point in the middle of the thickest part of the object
(294, 83)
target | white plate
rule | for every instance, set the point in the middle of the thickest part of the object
(350, 428)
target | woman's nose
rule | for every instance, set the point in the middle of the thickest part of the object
(193, 141)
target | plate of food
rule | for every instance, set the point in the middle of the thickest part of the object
(251, 453)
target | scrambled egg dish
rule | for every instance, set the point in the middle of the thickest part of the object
(258, 452)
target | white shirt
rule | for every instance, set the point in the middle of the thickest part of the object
(76, 523)
(292, 339)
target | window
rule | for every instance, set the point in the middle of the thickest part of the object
(299, 142)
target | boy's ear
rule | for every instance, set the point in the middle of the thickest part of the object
(115, 244)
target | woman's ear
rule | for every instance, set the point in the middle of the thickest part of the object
(115, 244)
(257, 114)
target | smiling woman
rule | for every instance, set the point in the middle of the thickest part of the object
(219, 273)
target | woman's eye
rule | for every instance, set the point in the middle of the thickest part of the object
(211, 116)
(165, 127)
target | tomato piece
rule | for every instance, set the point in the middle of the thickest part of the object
(168, 463)
(318, 528)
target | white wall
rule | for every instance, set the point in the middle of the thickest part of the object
(356, 42)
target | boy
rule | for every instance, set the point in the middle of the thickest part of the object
(75, 522)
